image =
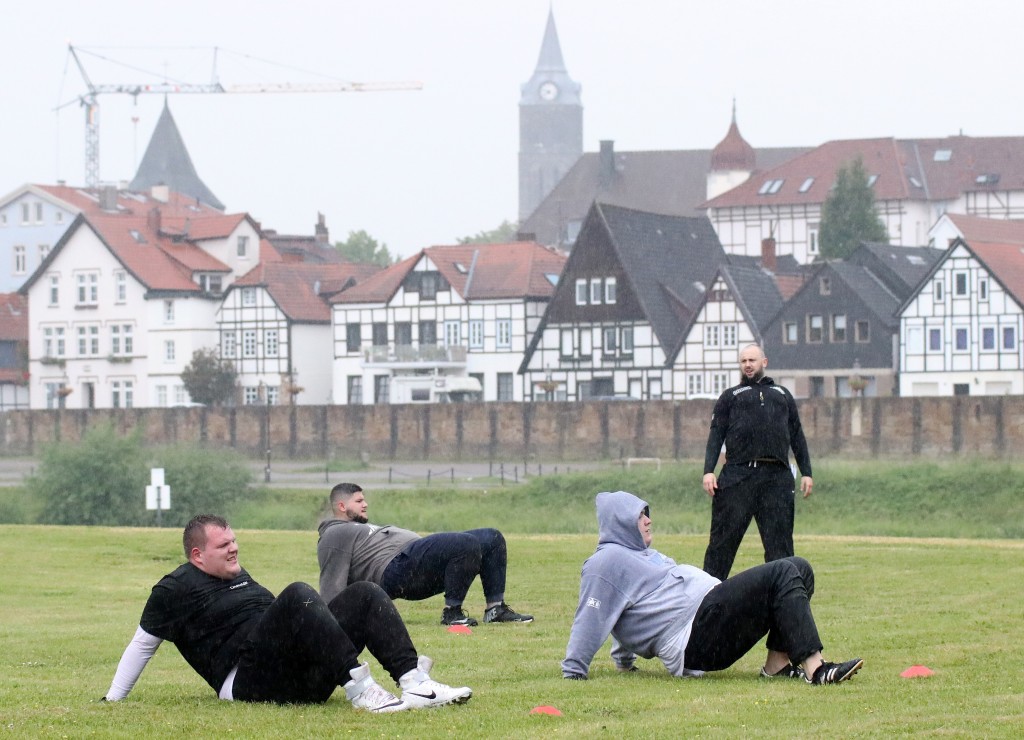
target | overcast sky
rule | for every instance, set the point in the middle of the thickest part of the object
(426, 167)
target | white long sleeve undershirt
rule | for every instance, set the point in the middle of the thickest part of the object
(133, 661)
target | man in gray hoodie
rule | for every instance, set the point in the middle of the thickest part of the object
(408, 566)
(690, 620)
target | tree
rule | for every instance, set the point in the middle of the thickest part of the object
(505, 232)
(361, 247)
(849, 215)
(209, 379)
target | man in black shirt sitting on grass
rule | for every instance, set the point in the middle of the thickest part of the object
(296, 648)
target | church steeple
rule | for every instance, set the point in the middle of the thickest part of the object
(550, 124)
(732, 160)
(166, 162)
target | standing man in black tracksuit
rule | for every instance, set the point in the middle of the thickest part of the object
(758, 422)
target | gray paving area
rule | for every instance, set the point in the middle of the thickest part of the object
(411, 474)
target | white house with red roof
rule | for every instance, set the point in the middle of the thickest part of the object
(448, 311)
(123, 300)
(275, 325)
(915, 181)
(961, 329)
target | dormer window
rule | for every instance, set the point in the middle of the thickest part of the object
(806, 185)
(915, 182)
(770, 187)
(872, 179)
(943, 155)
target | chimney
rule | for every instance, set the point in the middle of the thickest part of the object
(161, 193)
(607, 161)
(153, 220)
(321, 229)
(108, 198)
(768, 254)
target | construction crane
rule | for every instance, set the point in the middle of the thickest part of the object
(91, 104)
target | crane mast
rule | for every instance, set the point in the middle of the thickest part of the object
(91, 104)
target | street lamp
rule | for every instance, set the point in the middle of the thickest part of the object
(264, 396)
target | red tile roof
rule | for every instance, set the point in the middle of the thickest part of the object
(13, 317)
(976, 229)
(87, 201)
(299, 289)
(517, 270)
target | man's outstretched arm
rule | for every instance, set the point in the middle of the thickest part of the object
(133, 661)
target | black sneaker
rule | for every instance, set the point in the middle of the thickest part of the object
(455, 615)
(788, 671)
(835, 672)
(504, 613)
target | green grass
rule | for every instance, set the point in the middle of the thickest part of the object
(70, 599)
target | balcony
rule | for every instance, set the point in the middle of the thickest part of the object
(411, 356)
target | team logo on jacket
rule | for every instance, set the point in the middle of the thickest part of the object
(594, 603)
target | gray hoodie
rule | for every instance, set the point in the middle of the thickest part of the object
(349, 552)
(634, 593)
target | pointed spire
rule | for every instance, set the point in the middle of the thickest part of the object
(167, 162)
(550, 59)
(733, 152)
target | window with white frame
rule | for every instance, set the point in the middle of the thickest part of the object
(39, 213)
(790, 332)
(812, 238)
(627, 340)
(567, 342)
(959, 284)
(915, 340)
(355, 389)
(1009, 338)
(242, 246)
(52, 396)
(730, 333)
(179, 395)
(88, 288)
(161, 396)
(694, 384)
(273, 395)
(452, 333)
(476, 333)
(988, 339)
(249, 343)
(120, 286)
(169, 353)
(581, 292)
(960, 339)
(44, 252)
(505, 387)
(121, 339)
(719, 382)
(610, 290)
(248, 296)
(712, 336)
(938, 291)
(20, 262)
(595, 290)
(825, 285)
(168, 312)
(270, 343)
(54, 293)
(251, 395)
(26, 213)
(122, 394)
(839, 327)
(88, 341)
(935, 339)
(815, 328)
(586, 343)
(862, 331)
(229, 343)
(982, 289)
(503, 328)
(58, 217)
(354, 337)
(48, 342)
(610, 340)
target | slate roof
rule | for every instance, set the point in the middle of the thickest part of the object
(300, 289)
(906, 169)
(167, 162)
(876, 296)
(669, 262)
(668, 182)
(900, 268)
(755, 292)
(517, 270)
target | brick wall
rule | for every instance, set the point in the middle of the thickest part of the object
(856, 428)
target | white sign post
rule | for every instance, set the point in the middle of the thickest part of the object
(158, 496)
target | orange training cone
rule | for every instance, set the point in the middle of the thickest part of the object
(546, 710)
(917, 671)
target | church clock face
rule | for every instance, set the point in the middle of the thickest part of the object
(549, 91)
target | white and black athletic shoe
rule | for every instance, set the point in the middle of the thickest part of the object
(835, 672)
(365, 693)
(787, 671)
(419, 690)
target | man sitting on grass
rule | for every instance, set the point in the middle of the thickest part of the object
(294, 649)
(408, 566)
(690, 620)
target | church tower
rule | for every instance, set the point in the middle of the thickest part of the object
(733, 160)
(550, 124)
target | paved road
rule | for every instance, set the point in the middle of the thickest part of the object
(415, 474)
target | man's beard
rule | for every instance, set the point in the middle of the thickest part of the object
(360, 519)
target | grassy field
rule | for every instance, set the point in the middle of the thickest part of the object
(70, 599)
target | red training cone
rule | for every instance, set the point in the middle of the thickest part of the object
(546, 710)
(917, 671)
(460, 629)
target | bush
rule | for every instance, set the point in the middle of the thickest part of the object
(102, 480)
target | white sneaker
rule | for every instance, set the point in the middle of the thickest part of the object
(365, 693)
(419, 690)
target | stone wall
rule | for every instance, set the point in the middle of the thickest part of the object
(854, 428)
